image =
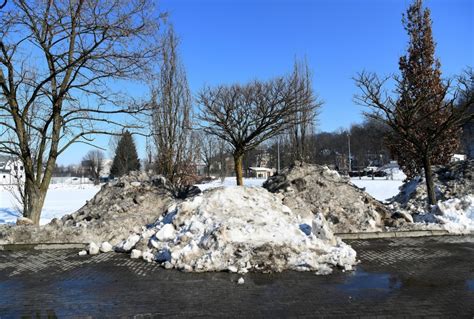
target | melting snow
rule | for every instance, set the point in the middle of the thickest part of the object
(455, 215)
(240, 229)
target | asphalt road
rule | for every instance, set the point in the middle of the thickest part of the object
(422, 277)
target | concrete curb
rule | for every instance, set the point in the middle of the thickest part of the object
(396, 234)
(42, 246)
(349, 236)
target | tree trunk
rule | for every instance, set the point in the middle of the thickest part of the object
(34, 205)
(430, 188)
(35, 190)
(238, 158)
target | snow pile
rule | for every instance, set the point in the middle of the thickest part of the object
(312, 189)
(116, 210)
(239, 229)
(454, 187)
(455, 215)
(454, 180)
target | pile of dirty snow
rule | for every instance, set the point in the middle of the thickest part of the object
(454, 180)
(455, 215)
(312, 189)
(454, 187)
(239, 229)
(118, 209)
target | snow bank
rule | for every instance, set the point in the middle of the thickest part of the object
(454, 187)
(241, 229)
(455, 215)
(454, 180)
(116, 210)
(312, 189)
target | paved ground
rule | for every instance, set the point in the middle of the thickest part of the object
(431, 276)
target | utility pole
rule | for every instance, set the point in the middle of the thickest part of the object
(349, 146)
(278, 155)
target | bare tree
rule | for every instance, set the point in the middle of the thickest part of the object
(56, 61)
(209, 147)
(93, 162)
(246, 115)
(424, 120)
(171, 105)
(223, 151)
(304, 122)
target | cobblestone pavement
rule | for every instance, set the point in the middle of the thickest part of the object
(425, 277)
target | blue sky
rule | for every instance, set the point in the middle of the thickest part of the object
(227, 41)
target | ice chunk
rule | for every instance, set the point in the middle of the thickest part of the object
(135, 254)
(93, 249)
(321, 229)
(167, 232)
(105, 247)
(128, 244)
(82, 253)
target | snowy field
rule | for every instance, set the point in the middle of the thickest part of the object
(379, 188)
(61, 199)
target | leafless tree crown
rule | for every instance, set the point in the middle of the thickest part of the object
(172, 115)
(57, 63)
(246, 115)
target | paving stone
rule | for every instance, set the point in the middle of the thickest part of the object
(397, 277)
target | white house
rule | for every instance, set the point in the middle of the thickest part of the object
(261, 172)
(11, 171)
(458, 157)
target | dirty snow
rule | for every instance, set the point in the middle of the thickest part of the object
(456, 215)
(454, 188)
(240, 229)
(311, 189)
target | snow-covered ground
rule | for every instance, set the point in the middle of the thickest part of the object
(380, 188)
(61, 199)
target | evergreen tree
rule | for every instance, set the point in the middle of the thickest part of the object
(424, 120)
(126, 158)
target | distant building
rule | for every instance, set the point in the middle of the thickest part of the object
(458, 157)
(12, 171)
(261, 172)
(201, 168)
